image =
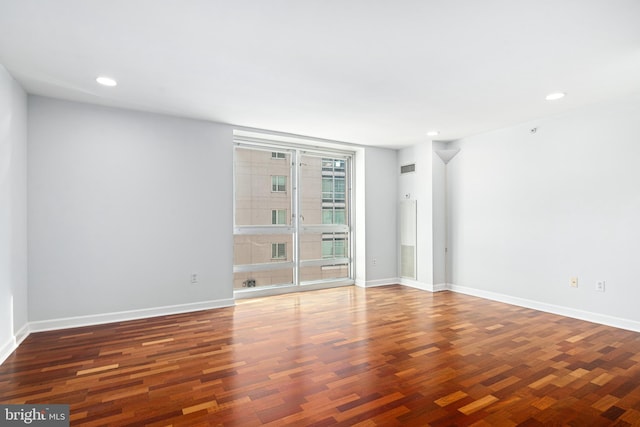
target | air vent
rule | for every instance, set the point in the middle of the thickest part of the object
(408, 168)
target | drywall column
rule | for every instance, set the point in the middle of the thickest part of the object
(13, 213)
(440, 213)
(360, 218)
(418, 186)
(439, 216)
(376, 183)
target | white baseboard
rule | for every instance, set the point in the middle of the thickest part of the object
(438, 287)
(378, 282)
(603, 319)
(424, 286)
(97, 319)
(7, 348)
(415, 284)
(22, 334)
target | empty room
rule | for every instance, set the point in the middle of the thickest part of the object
(315, 213)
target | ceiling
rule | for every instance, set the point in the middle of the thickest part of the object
(373, 72)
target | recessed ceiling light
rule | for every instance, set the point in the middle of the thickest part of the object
(106, 81)
(554, 96)
(433, 133)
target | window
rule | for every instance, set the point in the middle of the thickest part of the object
(286, 235)
(338, 189)
(327, 189)
(278, 183)
(327, 216)
(279, 251)
(333, 189)
(333, 165)
(333, 180)
(278, 216)
(333, 215)
(333, 247)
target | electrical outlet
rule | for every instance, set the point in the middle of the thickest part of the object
(194, 278)
(574, 282)
(375, 261)
(600, 286)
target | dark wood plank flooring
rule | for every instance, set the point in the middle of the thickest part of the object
(347, 356)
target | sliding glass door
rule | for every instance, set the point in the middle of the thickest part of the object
(292, 218)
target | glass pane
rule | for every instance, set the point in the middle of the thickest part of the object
(311, 189)
(333, 215)
(327, 249)
(327, 216)
(336, 245)
(262, 248)
(261, 180)
(323, 190)
(322, 246)
(324, 202)
(257, 279)
(310, 246)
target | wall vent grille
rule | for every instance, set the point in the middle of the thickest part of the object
(408, 168)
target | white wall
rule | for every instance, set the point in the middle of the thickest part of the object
(375, 223)
(381, 185)
(529, 211)
(13, 211)
(123, 207)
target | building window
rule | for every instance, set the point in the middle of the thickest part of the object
(333, 180)
(338, 189)
(278, 155)
(333, 165)
(333, 247)
(278, 183)
(333, 189)
(333, 215)
(278, 216)
(278, 251)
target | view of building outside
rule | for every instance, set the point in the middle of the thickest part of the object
(264, 201)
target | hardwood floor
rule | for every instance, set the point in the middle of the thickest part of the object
(347, 356)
